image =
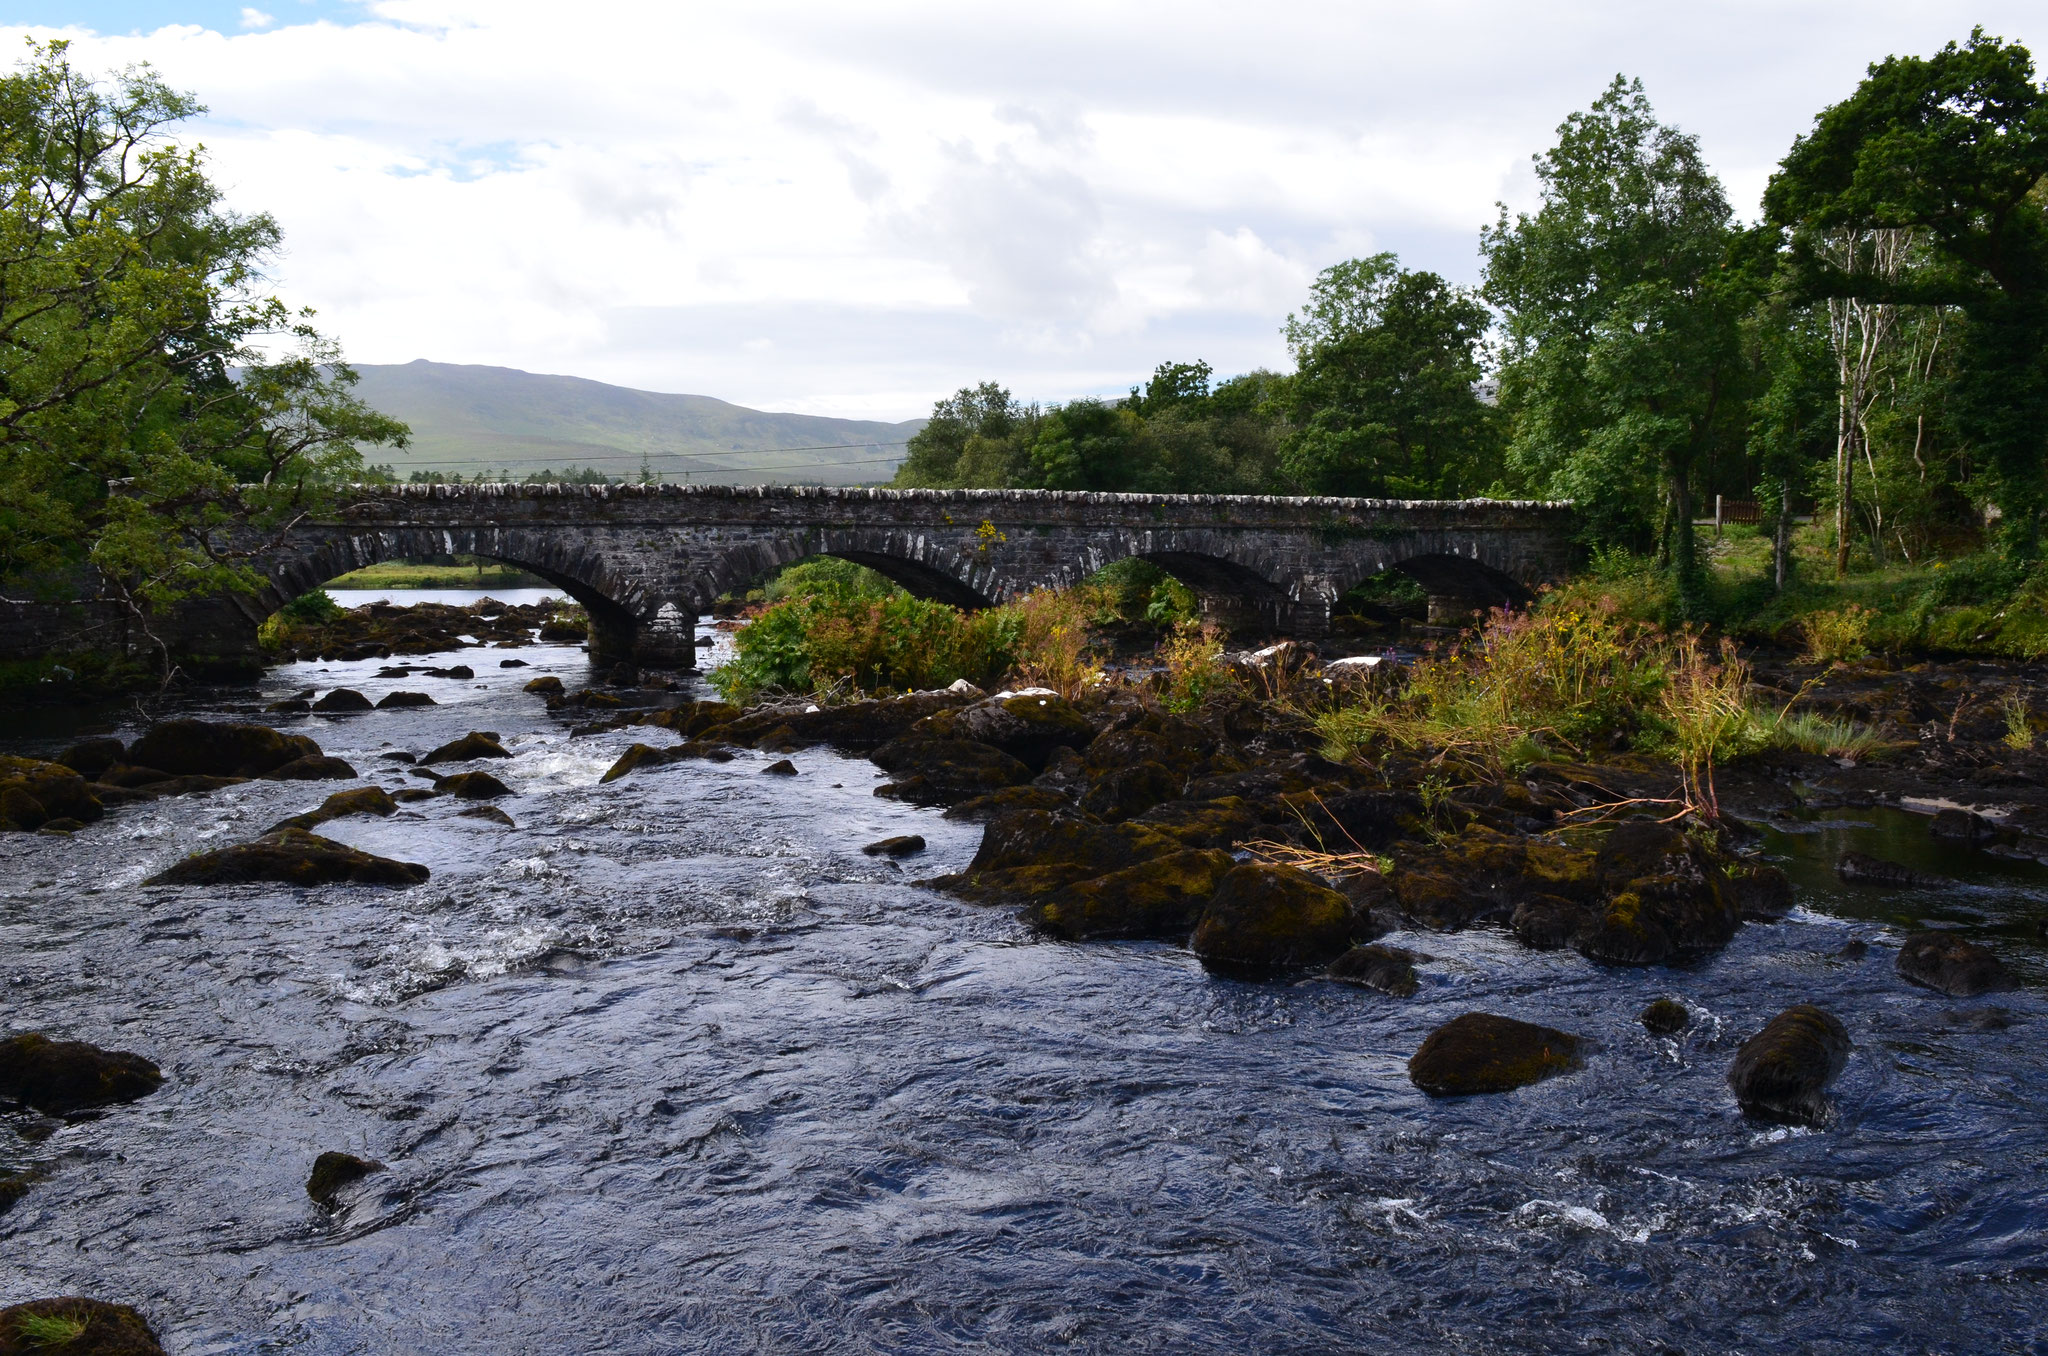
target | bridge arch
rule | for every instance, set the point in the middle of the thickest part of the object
(1457, 584)
(912, 561)
(562, 562)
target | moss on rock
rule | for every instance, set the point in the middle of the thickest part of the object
(1481, 1052)
(60, 1077)
(293, 857)
(75, 1326)
(1162, 898)
(1272, 917)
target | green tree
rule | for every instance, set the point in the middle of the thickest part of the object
(979, 437)
(1955, 147)
(1383, 400)
(1622, 309)
(136, 348)
(1095, 445)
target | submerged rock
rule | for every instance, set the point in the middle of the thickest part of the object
(781, 767)
(397, 700)
(293, 857)
(334, 1170)
(1860, 868)
(1389, 969)
(1164, 898)
(60, 1077)
(476, 744)
(1782, 1073)
(1272, 917)
(1961, 826)
(902, 845)
(489, 812)
(1480, 1052)
(75, 1326)
(318, 767)
(1665, 1017)
(362, 800)
(1949, 964)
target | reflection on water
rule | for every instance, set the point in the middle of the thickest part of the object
(452, 597)
(673, 1066)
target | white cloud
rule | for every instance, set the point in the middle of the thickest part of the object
(856, 209)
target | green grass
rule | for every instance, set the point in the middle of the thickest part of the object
(397, 574)
(49, 1330)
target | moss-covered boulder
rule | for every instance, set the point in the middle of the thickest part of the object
(60, 1077)
(935, 771)
(1953, 965)
(34, 793)
(1006, 800)
(215, 749)
(344, 701)
(1388, 969)
(75, 1326)
(319, 767)
(1668, 899)
(1782, 1073)
(334, 1170)
(1028, 853)
(1221, 823)
(472, 786)
(1665, 1017)
(1481, 1052)
(1162, 898)
(899, 845)
(547, 685)
(690, 718)
(1129, 791)
(476, 744)
(1270, 918)
(852, 727)
(292, 857)
(399, 701)
(361, 800)
(90, 757)
(1027, 728)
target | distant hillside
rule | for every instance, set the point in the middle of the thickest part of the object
(465, 419)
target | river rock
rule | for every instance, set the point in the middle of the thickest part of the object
(1762, 892)
(1862, 869)
(1129, 791)
(343, 701)
(75, 1326)
(1782, 1073)
(1028, 853)
(1949, 964)
(547, 685)
(462, 671)
(1961, 826)
(902, 845)
(318, 767)
(1163, 898)
(476, 744)
(215, 749)
(1221, 823)
(1272, 917)
(361, 800)
(14, 1184)
(852, 727)
(1481, 1052)
(1665, 1017)
(392, 701)
(472, 786)
(1668, 899)
(90, 757)
(334, 1170)
(60, 1077)
(293, 857)
(780, 768)
(487, 812)
(928, 770)
(1027, 728)
(33, 792)
(1389, 969)
(688, 719)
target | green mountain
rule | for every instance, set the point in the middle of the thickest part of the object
(467, 419)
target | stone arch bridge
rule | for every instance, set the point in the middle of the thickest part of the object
(646, 560)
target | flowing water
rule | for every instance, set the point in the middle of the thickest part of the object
(672, 1066)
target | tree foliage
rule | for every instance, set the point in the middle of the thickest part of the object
(132, 326)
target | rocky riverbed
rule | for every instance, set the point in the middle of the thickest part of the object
(1135, 1027)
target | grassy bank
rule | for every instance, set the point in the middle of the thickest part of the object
(467, 573)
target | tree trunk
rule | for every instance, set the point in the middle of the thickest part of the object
(1781, 543)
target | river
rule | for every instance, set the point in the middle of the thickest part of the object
(672, 1067)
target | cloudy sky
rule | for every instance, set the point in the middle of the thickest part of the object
(854, 208)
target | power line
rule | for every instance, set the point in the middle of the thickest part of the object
(696, 471)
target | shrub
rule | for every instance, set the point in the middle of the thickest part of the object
(1706, 706)
(2019, 726)
(1843, 634)
(1192, 656)
(824, 642)
(1052, 644)
(313, 608)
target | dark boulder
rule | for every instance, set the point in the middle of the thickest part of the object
(90, 757)
(637, 756)
(343, 701)
(318, 767)
(462, 671)
(334, 1170)
(1859, 868)
(33, 792)
(392, 701)
(1272, 917)
(1961, 826)
(902, 845)
(1027, 853)
(1480, 1052)
(60, 1077)
(1389, 969)
(854, 727)
(689, 719)
(204, 748)
(476, 744)
(1668, 899)
(361, 800)
(1129, 791)
(1007, 799)
(1762, 892)
(1665, 1017)
(782, 767)
(936, 771)
(291, 856)
(547, 685)
(75, 1326)
(1162, 898)
(487, 812)
(472, 786)
(1221, 823)
(1949, 964)
(1028, 728)
(1781, 1074)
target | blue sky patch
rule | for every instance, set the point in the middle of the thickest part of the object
(118, 17)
